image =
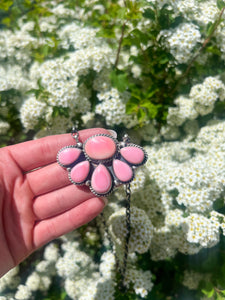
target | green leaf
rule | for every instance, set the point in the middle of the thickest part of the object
(151, 108)
(210, 28)
(149, 14)
(122, 12)
(220, 4)
(213, 49)
(6, 21)
(119, 80)
(219, 296)
(141, 114)
(5, 5)
(142, 37)
(209, 290)
(132, 106)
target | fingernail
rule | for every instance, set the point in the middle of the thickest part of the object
(105, 200)
(112, 133)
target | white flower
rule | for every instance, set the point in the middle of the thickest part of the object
(192, 279)
(113, 108)
(141, 229)
(107, 266)
(4, 127)
(31, 111)
(10, 279)
(23, 293)
(201, 230)
(182, 40)
(141, 281)
(33, 281)
(51, 252)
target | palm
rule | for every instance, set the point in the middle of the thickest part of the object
(39, 205)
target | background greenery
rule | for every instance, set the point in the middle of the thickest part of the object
(151, 94)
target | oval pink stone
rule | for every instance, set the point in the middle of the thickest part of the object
(100, 147)
(68, 155)
(80, 172)
(133, 155)
(122, 171)
(101, 180)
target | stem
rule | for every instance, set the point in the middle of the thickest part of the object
(206, 41)
(120, 44)
(121, 39)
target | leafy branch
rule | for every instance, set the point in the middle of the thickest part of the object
(211, 31)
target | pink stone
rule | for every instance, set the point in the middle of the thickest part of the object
(80, 172)
(100, 147)
(122, 171)
(101, 180)
(133, 155)
(68, 155)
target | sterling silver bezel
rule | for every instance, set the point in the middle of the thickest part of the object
(62, 149)
(136, 146)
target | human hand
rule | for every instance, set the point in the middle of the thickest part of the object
(38, 203)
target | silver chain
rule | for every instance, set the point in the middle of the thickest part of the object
(121, 269)
(128, 227)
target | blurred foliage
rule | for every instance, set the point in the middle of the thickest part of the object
(150, 96)
(158, 84)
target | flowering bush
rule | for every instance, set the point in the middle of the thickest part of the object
(152, 68)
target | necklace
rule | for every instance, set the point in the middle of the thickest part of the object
(103, 163)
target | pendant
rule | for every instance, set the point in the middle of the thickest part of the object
(101, 162)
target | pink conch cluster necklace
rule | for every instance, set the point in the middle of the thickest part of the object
(103, 163)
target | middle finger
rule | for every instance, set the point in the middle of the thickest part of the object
(47, 179)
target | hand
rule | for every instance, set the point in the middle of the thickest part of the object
(38, 203)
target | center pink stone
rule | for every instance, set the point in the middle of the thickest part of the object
(100, 147)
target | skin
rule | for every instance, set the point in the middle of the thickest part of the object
(38, 203)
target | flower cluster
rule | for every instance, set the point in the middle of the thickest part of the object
(141, 280)
(113, 109)
(141, 229)
(188, 185)
(4, 126)
(200, 102)
(39, 279)
(182, 40)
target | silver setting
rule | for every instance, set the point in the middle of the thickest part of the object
(88, 182)
(79, 145)
(136, 146)
(62, 149)
(108, 163)
(102, 195)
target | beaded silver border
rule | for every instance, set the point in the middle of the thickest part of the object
(86, 181)
(137, 146)
(66, 147)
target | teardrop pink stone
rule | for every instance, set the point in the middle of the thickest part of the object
(101, 180)
(122, 171)
(80, 172)
(133, 155)
(100, 147)
(68, 155)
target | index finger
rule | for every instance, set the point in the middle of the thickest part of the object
(38, 153)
